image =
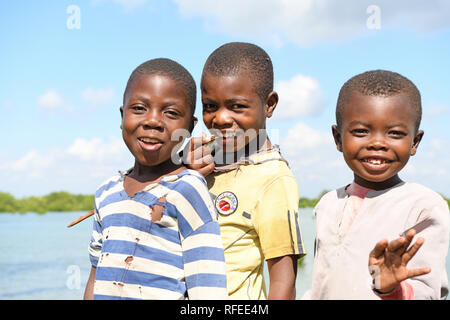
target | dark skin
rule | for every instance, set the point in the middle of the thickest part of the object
(155, 107)
(231, 104)
(377, 136)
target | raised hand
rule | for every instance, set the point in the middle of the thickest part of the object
(197, 155)
(388, 261)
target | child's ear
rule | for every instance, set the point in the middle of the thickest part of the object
(121, 116)
(337, 137)
(416, 142)
(271, 103)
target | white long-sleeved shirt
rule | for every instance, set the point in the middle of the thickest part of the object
(341, 259)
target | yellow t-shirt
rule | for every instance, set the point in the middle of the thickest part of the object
(258, 217)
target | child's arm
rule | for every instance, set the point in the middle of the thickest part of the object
(282, 273)
(89, 291)
(277, 223)
(204, 264)
(202, 250)
(388, 260)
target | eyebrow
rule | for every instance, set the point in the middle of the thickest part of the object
(398, 125)
(356, 122)
(148, 101)
(231, 100)
(236, 100)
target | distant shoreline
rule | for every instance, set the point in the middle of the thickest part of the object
(66, 202)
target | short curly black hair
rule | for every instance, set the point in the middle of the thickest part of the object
(235, 57)
(171, 69)
(380, 83)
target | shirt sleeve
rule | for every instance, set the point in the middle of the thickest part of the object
(432, 254)
(404, 291)
(95, 245)
(277, 221)
(203, 256)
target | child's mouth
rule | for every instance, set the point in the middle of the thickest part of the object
(149, 144)
(376, 163)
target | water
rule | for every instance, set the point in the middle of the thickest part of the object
(42, 259)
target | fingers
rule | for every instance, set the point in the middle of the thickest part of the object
(396, 244)
(207, 169)
(418, 272)
(198, 153)
(410, 235)
(402, 243)
(413, 250)
(379, 249)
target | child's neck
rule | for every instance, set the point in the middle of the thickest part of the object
(142, 176)
(375, 185)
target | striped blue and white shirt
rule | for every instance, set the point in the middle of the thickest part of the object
(180, 256)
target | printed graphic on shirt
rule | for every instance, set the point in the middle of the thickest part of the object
(226, 203)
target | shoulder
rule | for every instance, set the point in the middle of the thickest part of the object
(107, 185)
(189, 175)
(330, 199)
(426, 199)
(185, 181)
(275, 170)
(189, 185)
(420, 195)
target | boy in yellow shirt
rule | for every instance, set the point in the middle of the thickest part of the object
(255, 192)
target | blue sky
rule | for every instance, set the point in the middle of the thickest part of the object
(61, 87)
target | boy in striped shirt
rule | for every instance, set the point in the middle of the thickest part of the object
(155, 233)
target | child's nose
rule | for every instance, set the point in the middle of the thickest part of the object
(377, 142)
(153, 120)
(222, 118)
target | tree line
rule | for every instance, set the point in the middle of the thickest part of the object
(65, 201)
(53, 202)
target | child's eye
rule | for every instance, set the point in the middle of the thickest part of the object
(208, 107)
(138, 108)
(359, 132)
(397, 133)
(238, 107)
(172, 113)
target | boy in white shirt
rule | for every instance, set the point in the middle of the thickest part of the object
(378, 116)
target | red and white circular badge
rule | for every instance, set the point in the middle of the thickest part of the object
(226, 203)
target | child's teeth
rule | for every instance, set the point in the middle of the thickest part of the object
(376, 161)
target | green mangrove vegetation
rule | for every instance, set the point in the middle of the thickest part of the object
(65, 201)
(53, 202)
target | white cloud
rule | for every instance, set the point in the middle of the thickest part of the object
(314, 160)
(435, 112)
(32, 161)
(78, 168)
(96, 149)
(301, 137)
(430, 165)
(312, 21)
(300, 96)
(97, 97)
(51, 100)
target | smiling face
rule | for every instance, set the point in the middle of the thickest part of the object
(155, 107)
(233, 110)
(377, 136)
